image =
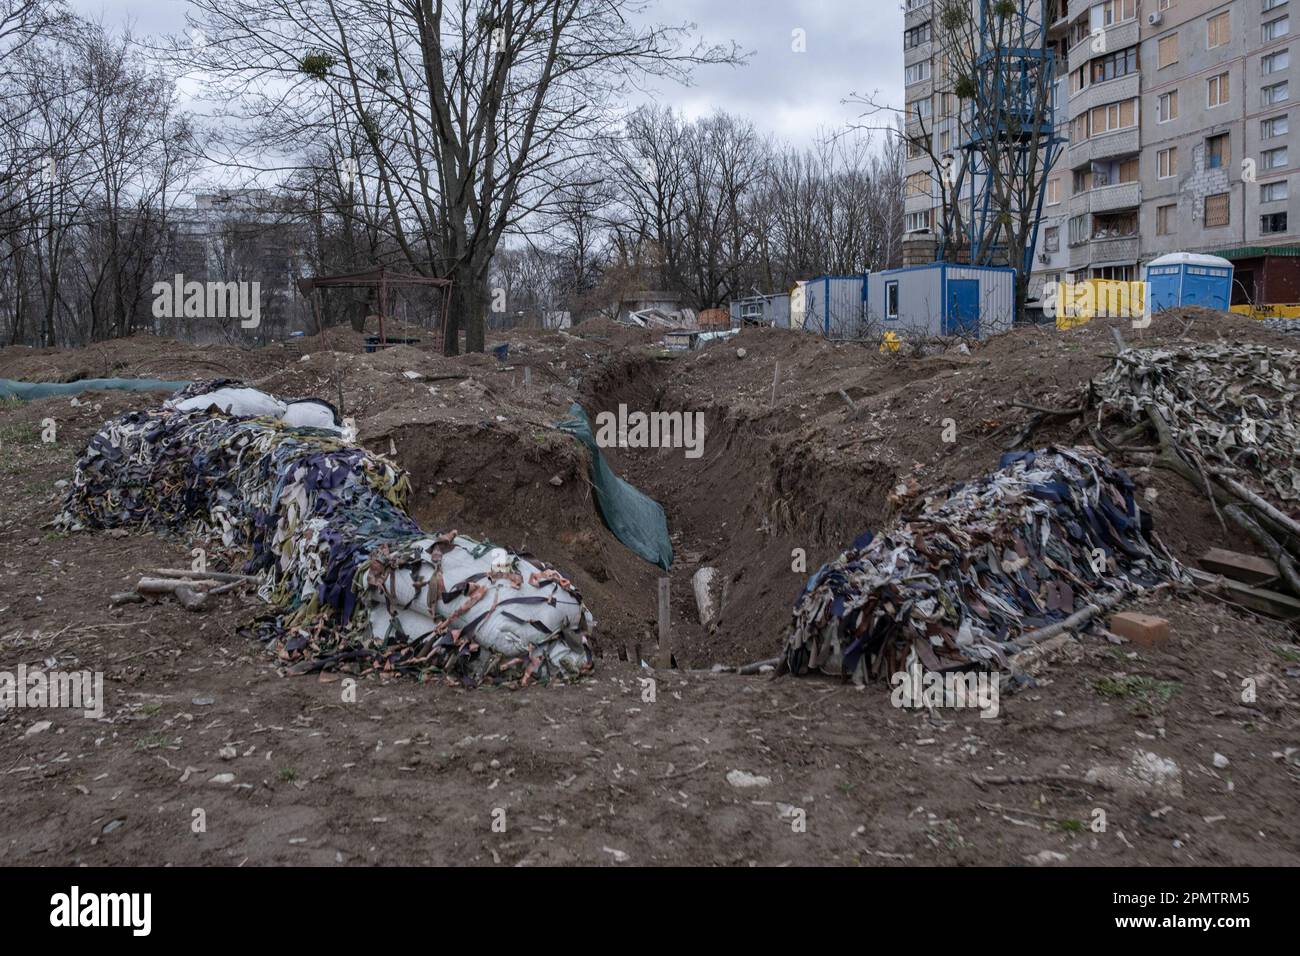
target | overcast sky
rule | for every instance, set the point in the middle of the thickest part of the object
(851, 45)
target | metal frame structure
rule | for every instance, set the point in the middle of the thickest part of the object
(1016, 84)
(379, 279)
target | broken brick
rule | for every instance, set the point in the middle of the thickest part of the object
(1140, 628)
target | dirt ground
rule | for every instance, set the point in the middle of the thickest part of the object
(628, 767)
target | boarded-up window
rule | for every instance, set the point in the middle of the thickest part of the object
(1167, 163)
(1216, 90)
(1128, 170)
(1216, 30)
(1216, 210)
(1165, 220)
(1167, 106)
(1166, 51)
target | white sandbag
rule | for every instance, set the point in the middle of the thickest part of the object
(312, 413)
(510, 604)
(245, 402)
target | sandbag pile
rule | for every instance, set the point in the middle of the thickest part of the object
(1233, 406)
(353, 579)
(978, 566)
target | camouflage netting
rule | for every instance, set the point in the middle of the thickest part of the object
(353, 580)
(955, 584)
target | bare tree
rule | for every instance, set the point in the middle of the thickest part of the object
(468, 108)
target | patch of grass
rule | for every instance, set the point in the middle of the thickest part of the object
(287, 775)
(1146, 694)
(154, 741)
(1289, 654)
(150, 709)
(1072, 825)
(20, 433)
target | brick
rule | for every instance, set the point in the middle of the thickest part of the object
(1240, 567)
(1140, 628)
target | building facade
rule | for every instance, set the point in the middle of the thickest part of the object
(1177, 120)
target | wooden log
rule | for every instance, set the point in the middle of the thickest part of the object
(206, 575)
(1267, 602)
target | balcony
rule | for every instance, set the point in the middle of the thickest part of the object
(1099, 94)
(1099, 252)
(1114, 38)
(1110, 198)
(912, 18)
(1122, 142)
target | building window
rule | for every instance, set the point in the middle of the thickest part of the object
(1216, 210)
(1272, 192)
(1078, 230)
(1052, 239)
(1276, 29)
(1166, 4)
(1275, 93)
(891, 300)
(1272, 222)
(1216, 151)
(1275, 62)
(917, 184)
(1054, 190)
(1167, 163)
(1115, 65)
(1274, 158)
(916, 36)
(1216, 90)
(1167, 106)
(1272, 4)
(918, 221)
(1216, 30)
(1165, 216)
(945, 140)
(918, 4)
(1166, 51)
(1273, 127)
(917, 72)
(1112, 116)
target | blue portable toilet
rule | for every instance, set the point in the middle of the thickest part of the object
(1189, 278)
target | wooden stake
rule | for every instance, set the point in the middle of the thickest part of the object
(664, 654)
(776, 377)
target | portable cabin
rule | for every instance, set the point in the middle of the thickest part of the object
(942, 298)
(1189, 278)
(773, 310)
(834, 305)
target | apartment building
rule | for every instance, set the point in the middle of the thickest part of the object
(1177, 116)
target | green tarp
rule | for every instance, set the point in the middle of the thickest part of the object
(636, 520)
(26, 391)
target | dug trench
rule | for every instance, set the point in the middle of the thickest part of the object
(630, 765)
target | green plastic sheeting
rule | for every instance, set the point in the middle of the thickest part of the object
(636, 520)
(26, 391)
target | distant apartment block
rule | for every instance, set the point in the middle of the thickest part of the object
(1178, 120)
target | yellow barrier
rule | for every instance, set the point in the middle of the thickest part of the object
(1268, 311)
(890, 341)
(1080, 302)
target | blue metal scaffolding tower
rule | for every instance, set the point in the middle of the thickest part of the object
(1010, 121)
